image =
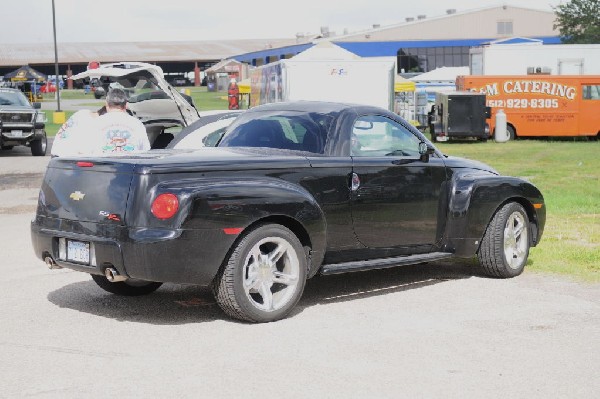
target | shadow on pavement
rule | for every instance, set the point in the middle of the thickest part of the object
(174, 304)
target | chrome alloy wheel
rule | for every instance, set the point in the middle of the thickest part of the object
(515, 240)
(271, 272)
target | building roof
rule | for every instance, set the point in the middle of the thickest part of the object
(18, 54)
(468, 28)
(469, 24)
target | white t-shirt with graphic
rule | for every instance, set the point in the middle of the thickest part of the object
(73, 135)
(118, 133)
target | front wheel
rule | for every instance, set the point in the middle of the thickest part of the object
(505, 245)
(39, 146)
(128, 287)
(264, 276)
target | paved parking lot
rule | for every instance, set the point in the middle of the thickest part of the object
(435, 330)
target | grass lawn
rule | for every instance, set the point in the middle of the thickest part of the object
(567, 172)
(568, 175)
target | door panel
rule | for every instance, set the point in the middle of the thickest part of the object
(589, 115)
(395, 201)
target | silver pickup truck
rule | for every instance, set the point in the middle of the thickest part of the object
(21, 123)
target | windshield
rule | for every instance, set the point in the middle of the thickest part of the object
(287, 130)
(8, 97)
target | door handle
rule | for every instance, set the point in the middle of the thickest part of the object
(354, 182)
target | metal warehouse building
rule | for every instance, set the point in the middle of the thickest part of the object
(420, 44)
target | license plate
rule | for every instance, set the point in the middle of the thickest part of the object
(16, 133)
(78, 251)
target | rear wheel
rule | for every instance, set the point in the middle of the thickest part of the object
(128, 287)
(264, 276)
(7, 147)
(505, 245)
(39, 146)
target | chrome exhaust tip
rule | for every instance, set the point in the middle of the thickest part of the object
(51, 263)
(113, 275)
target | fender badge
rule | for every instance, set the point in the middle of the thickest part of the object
(77, 195)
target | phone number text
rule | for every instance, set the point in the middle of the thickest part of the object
(524, 103)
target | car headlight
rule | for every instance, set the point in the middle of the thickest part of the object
(40, 117)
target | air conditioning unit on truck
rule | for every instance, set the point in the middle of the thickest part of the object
(541, 105)
(360, 81)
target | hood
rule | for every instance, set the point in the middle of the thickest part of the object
(17, 108)
(464, 163)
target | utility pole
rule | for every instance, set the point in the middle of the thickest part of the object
(55, 59)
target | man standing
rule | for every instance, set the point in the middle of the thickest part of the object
(119, 132)
(233, 94)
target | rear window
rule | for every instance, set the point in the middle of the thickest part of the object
(285, 130)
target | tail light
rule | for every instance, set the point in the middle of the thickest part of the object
(165, 206)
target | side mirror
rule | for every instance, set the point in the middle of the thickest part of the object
(488, 112)
(425, 151)
(37, 105)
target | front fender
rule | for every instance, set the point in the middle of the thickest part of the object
(475, 197)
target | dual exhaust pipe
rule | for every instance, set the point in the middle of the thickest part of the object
(51, 263)
(110, 273)
(113, 275)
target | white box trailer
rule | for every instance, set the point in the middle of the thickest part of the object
(536, 58)
(360, 81)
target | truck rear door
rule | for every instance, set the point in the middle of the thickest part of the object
(589, 117)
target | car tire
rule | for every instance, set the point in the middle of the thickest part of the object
(264, 275)
(39, 146)
(510, 132)
(7, 147)
(126, 288)
(505, 246)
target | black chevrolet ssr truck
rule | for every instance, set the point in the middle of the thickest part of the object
(291, 190)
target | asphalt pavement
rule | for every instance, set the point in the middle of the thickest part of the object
(439, 330)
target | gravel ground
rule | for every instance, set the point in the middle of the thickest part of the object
(435, 330)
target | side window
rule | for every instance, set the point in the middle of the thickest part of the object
(374, 136)
(591, 92)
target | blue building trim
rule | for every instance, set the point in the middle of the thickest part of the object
(279, 52)
(378, 49)
(390, 49)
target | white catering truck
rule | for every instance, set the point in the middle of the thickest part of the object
(342, 79)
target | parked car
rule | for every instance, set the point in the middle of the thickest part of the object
(290, 191)
(179, 81)
(21, 122)
(48, 87)
(151, 99)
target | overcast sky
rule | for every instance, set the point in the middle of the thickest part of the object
(30, 21)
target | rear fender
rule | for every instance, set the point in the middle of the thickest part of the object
(235, 204)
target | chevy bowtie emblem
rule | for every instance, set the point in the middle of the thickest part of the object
(77, 195)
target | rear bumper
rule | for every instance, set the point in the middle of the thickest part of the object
(162, 255)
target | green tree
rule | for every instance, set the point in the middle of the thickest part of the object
(578, 21)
